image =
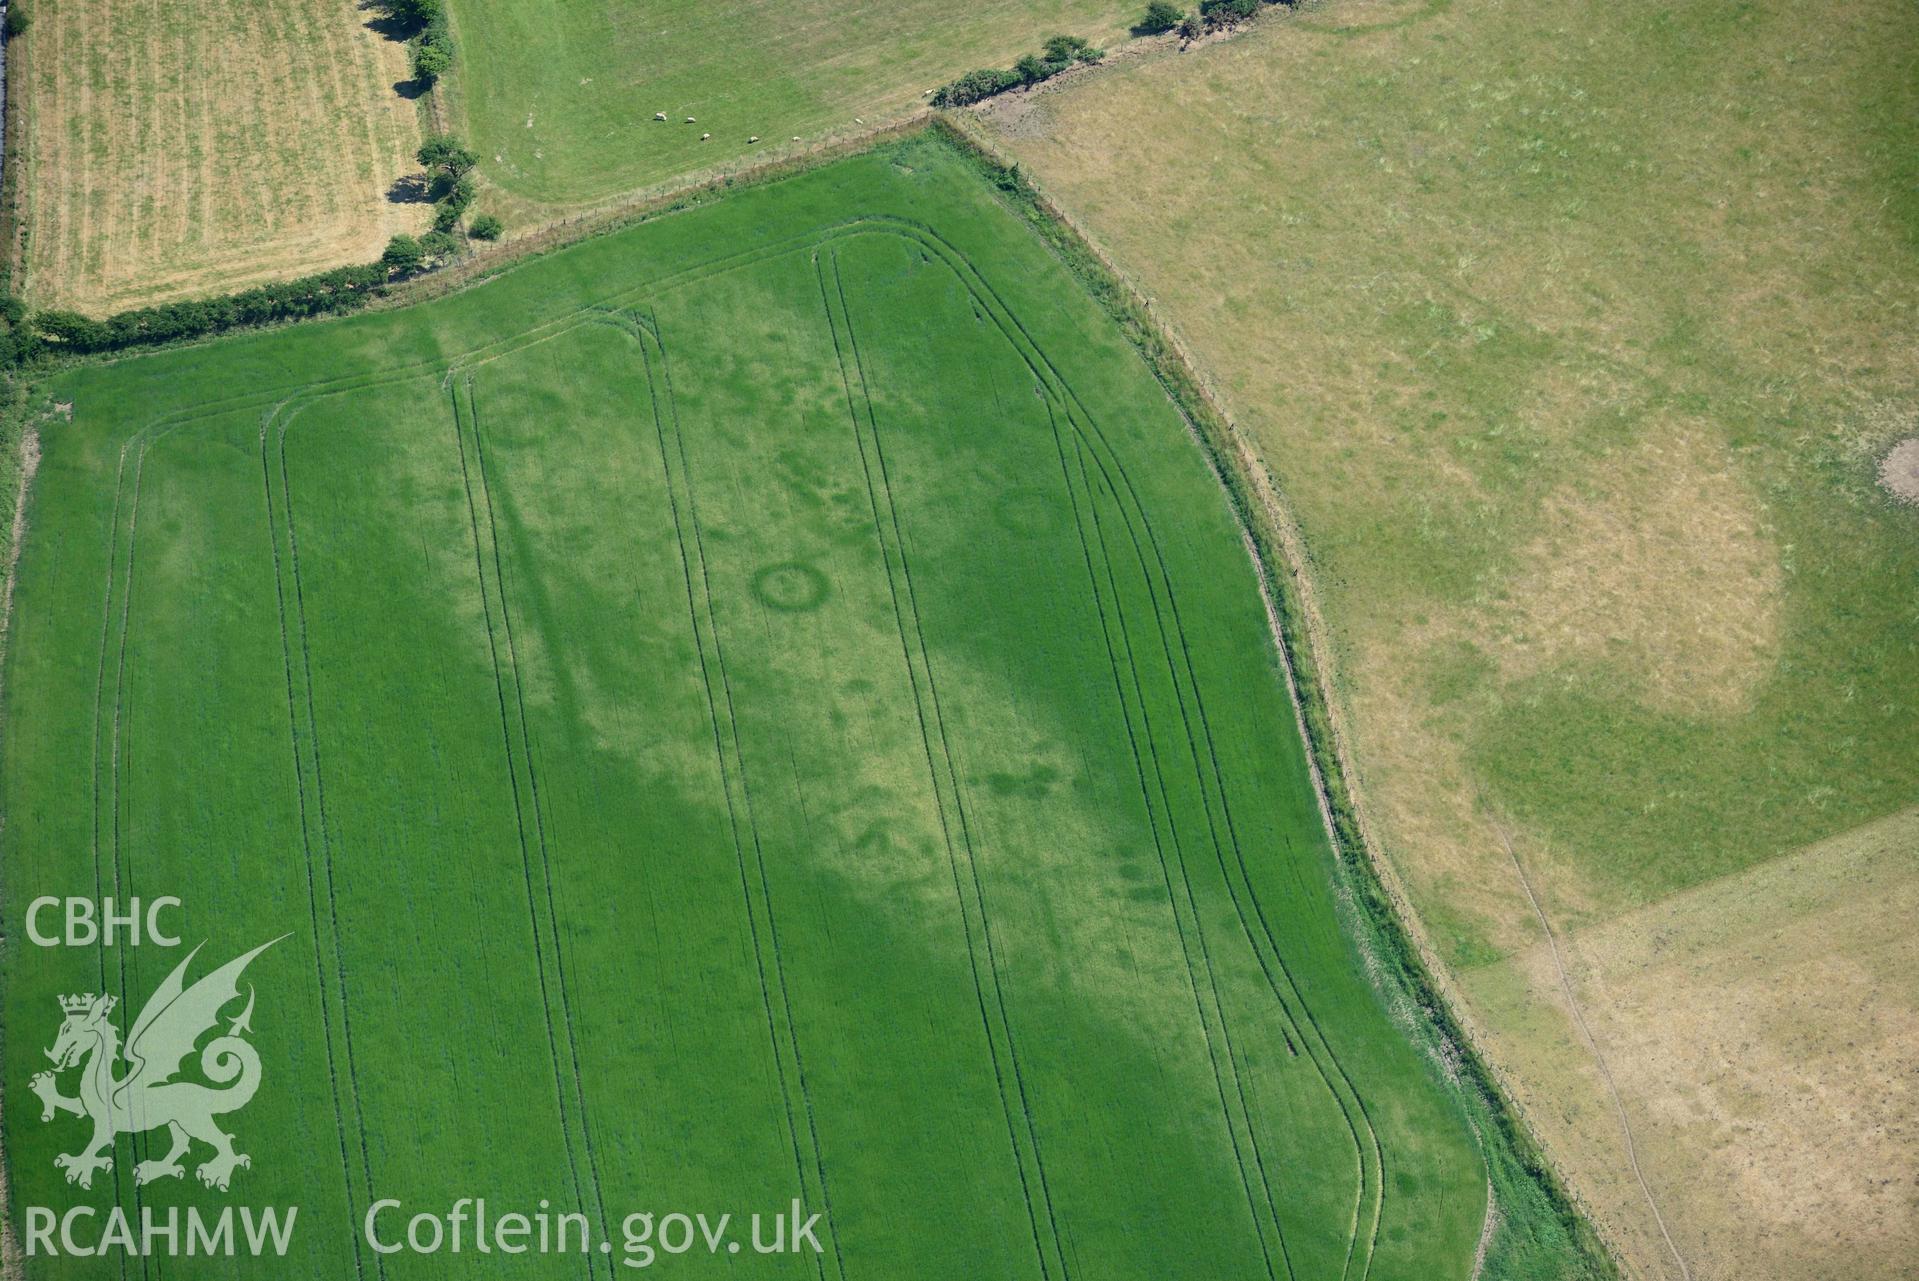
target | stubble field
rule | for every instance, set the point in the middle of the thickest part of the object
(175, 150)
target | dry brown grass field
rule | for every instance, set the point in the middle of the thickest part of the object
(180, 149)
(1760, 1031)
(1575, 336)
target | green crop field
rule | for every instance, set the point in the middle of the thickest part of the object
(559, 96)
(1575, 336)
(770, 703)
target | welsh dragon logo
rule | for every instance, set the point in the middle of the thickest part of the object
(149, 1097)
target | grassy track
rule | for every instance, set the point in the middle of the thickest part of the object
(173, 150)
(724, 716)
(1574, 339)
(559, 95)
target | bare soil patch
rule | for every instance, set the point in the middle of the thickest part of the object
(1899, 471)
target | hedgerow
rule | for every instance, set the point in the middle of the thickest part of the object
(343, 289)
(1540, 1215)
(1059, 53)
(432, 38)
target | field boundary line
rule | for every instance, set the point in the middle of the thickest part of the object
(1592, 1042)
(1317, 1043)
(1049, 375)
(137, 1140)
(29, 464)
(1302, 640)
(533, 784)
(137, 444)
(630, 208)
(10, 1257)
(281, 428)
(1488, 1229)
(1043, 368)
(653, 329)
(112, 795)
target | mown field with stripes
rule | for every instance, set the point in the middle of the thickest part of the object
(770, 703)
(179, 150)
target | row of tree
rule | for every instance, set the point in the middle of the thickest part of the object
(429, 33)
(1059, 53)
(26, 337)
(344, 289)
(449, 174)
(1212, 15)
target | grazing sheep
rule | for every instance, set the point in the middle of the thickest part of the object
(705, 136)
(659, 115)
(754, 138)
(689, 120)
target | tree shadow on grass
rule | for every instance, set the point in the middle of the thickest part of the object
(385, 24)
(413, 189)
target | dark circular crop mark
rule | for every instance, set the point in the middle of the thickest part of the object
(1030, 511)
(792, 586)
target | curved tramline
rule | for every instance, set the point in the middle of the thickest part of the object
(1134, 521)
(939, 760)
(727, 716)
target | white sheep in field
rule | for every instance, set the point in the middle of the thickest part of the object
(705, 136)
(659, 115)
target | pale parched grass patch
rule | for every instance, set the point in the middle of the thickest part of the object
(1759, 1035)
(1574, 338)
(1659, 561)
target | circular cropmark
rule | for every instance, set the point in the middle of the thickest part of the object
(1030, 511)
(792, 586)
